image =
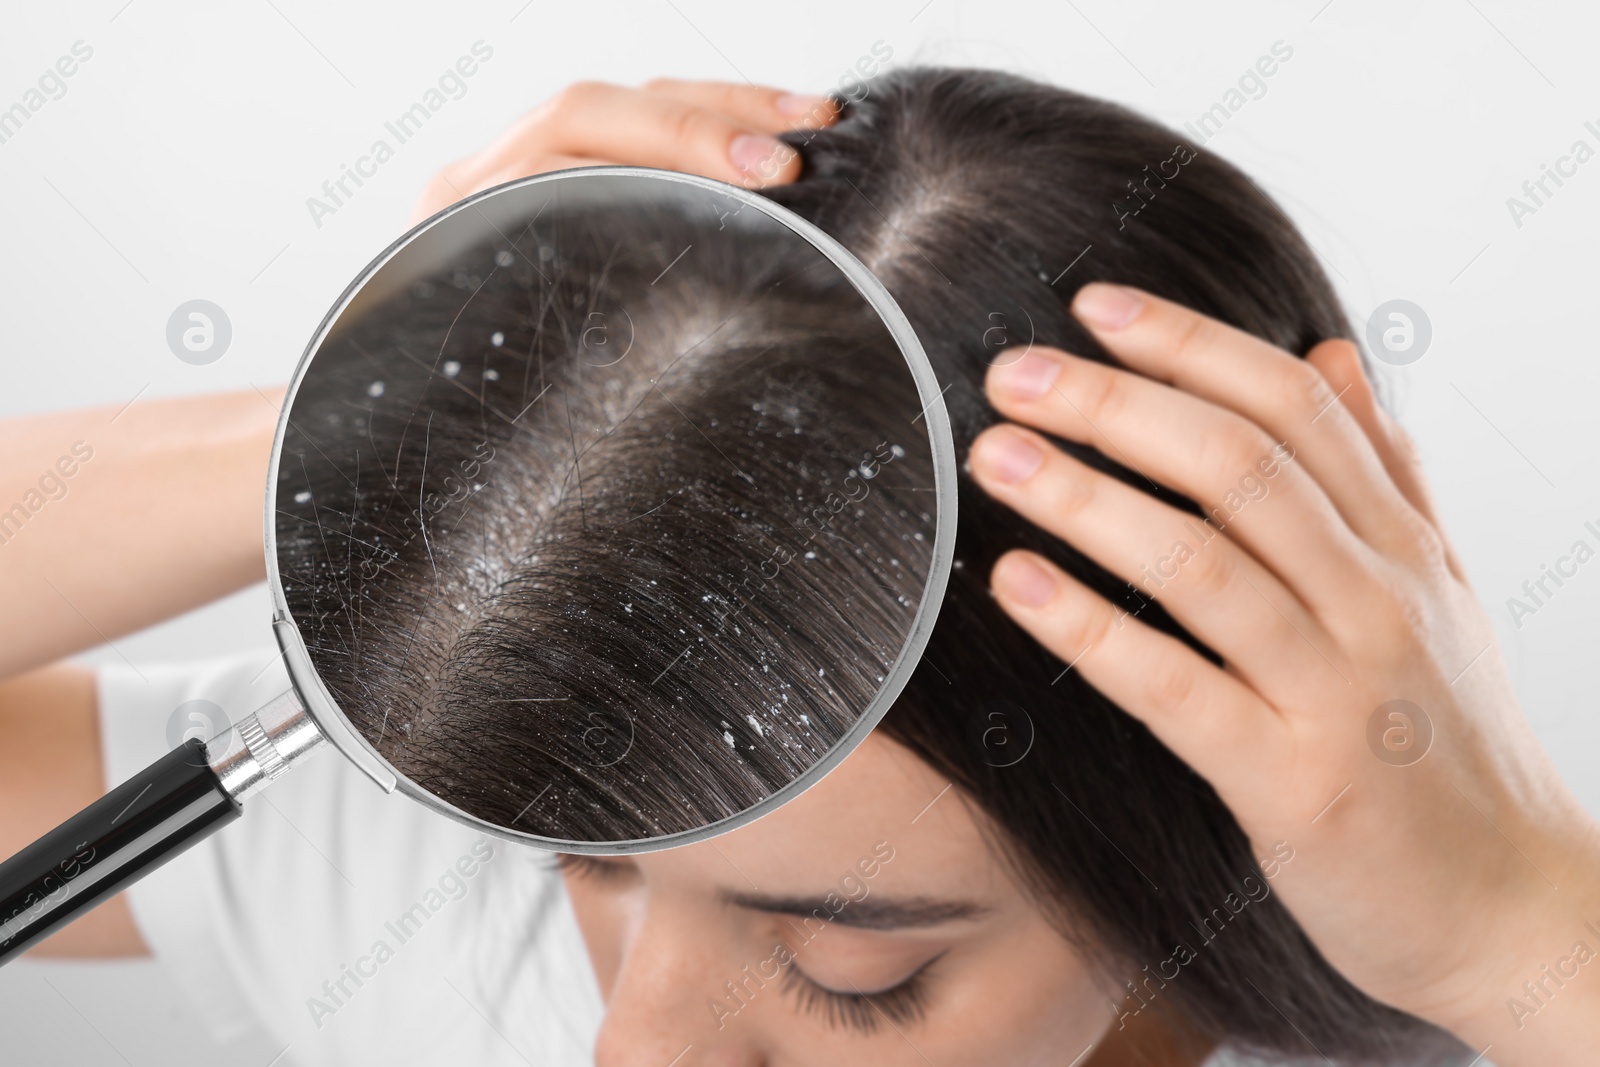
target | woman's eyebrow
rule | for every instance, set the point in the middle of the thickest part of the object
(868, 913)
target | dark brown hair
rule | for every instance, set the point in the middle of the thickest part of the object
(982, 201)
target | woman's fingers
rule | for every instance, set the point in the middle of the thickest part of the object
(717, 131)
(647, 129)
(1250, 485)
(759, 107)
(1339, 361)
(1211, 719)
(1266, 385)
(1206, 581)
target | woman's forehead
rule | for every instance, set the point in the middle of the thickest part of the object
(882, 810)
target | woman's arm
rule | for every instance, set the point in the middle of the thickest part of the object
(1364, 717)
(50, 767)
(113, 521)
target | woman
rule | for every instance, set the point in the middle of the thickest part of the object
(1097, 885)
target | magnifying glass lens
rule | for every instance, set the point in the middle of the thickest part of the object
(607, 508)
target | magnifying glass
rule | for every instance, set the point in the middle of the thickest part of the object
(609, 510)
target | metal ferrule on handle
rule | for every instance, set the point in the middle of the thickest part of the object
(263, 746)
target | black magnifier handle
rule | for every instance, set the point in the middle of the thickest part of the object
(177, 801)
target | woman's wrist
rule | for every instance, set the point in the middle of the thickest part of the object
(1536, 997)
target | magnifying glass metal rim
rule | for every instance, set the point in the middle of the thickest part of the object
(338, 729)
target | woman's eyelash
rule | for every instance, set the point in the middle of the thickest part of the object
(590, 867)
(901, 1004)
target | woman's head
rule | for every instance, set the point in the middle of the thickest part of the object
(1080, 874)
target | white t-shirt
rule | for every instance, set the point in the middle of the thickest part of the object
(352, 926)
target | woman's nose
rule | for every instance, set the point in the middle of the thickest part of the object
(663, 1007)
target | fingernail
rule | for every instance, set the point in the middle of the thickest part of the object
(1109, 307)
(1016, 577)
(1008, 456)
(1029, 377)
(797, 104)
(760, 156)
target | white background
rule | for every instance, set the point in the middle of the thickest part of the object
(178, 164)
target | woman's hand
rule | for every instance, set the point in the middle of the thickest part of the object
(1364, 717)
(714, 129)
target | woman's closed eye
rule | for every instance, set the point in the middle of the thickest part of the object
(859, 977)
(903, 1003)
(595, 868)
